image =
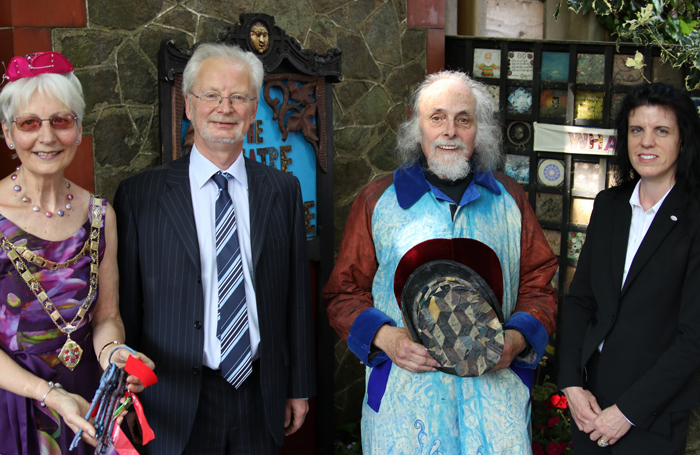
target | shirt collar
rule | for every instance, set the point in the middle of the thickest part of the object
(635, 202)
(204, 169)
(410, 184)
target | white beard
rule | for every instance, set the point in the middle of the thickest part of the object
(449, 166)
(206, 135)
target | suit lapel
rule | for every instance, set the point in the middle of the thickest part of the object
(620, 237)
(260, 197)
(177, 205)
(665, 220)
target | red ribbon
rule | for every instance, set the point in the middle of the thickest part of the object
(121, 443)
(147, 377)
(140, 370)
(146, 430)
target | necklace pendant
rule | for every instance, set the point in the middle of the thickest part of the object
(70, 354)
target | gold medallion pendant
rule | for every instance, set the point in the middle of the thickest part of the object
(70, 354)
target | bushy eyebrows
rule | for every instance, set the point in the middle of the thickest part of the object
(444, 112)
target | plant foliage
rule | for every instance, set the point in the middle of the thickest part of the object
(673, 26)
(551, 420)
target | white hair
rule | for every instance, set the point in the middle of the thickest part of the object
(64, 88)
(227, 52)
(488, 151)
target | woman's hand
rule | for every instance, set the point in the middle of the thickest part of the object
(72, 409)
(583, 405)
(119, 357)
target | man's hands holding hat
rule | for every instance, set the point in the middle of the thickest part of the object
(513, 345)
(403, 351)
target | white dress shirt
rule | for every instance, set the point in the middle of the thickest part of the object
(639, 226)
(204, 193)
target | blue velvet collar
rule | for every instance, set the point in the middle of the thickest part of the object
(410, 184)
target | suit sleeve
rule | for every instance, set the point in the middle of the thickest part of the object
(300, 323)
(130, 292)
(580, 310)
(535, 313)
(348, 293)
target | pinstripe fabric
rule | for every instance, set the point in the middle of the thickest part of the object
(232, 317)
(161, 298)
(240, 429)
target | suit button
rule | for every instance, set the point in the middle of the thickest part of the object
(199, 279)
(195, 371)
(197, 325)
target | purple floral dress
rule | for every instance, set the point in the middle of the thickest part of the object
(29, 336)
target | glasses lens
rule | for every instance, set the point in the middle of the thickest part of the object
(211, 98)
(28, 123)
(62, 121)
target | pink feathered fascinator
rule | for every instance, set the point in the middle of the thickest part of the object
(35, 64)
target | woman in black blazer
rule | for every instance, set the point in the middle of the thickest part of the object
(630, 346)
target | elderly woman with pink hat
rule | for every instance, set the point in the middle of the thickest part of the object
(59, 314)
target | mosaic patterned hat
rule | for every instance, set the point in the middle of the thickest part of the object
(450, 308)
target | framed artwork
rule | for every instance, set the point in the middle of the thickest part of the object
(548, 207)
(581, 209)
(590, 69)
(666, 73)
(576, 240)
(623, 74)
(553, 103)
(555, 67)
(519, 133)
(554, 239)
(586, 176)
(551, 172)
(520, 65)
(518, 167)
(615, 103)
(487, 63)
(495, 91)
(589, 105)
(519, 100)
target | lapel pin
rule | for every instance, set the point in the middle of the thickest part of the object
(674, 218)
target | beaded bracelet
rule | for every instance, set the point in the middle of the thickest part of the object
(118, 348)
(99, 356)
(52, 385)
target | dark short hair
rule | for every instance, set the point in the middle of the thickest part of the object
(659, 94)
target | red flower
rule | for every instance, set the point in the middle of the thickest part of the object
(557, 401)
(553, 421)
(563, 404)
(537, 449)
(555, 448)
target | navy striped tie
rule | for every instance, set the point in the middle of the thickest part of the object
(232, 327)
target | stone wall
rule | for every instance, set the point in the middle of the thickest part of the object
(115, 57)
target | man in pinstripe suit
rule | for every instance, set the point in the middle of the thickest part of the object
(169, 287)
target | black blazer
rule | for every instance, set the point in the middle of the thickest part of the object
(651, 327)
(162, 303)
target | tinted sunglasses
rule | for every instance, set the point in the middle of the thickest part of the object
(57, 122)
